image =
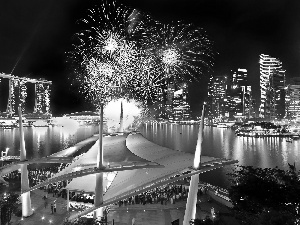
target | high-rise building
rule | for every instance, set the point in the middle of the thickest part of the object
(181, 108)
(292, 99)
(169, 101)
(230, 97)
(272, 82)
(239, 95)
(216, 99)
(173, 105)
(239, 77)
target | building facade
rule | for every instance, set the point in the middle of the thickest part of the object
(217, 101)
(272, 83)
(230, 97)
(181, 108)
(174, 106)
(292, 99)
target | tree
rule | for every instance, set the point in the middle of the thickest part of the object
(258, 194)
(8, 205)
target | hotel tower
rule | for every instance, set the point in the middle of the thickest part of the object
(272, 82)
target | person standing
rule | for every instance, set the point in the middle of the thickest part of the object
(52, 207)
(45, 201)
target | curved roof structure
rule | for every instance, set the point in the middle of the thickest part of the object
(116, 157)
(131, 182)
(64, 156)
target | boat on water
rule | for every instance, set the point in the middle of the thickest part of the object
(222, 125)
(40, 123)
(265, 129)
(225, 124)
(6, 123)
(295, 137)
(257, 134)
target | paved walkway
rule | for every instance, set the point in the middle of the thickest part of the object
(149, 214)
(157, 214)
(42, 214)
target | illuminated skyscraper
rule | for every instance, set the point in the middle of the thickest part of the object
(239, 95)
(216, 100)
(239, 77)
(181, 108)
(169, 101)
(272, 82)
(230, 97)
(292, 99)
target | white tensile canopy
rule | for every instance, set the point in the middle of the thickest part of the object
(128, 182)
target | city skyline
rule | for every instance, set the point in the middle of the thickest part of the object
(36, 35)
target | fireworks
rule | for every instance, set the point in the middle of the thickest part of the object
(146, 84)
(125, 48)
(103, 55)
(184, 51)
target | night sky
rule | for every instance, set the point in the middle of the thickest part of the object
(35, 34)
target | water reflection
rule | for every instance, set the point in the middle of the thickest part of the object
(43, 141)
(223, 143)
(238, 150)
(284, 153)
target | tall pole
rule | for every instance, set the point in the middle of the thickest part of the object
(68, 200)
(26, 200)
(35, 99)
(190, 210)
(99, 176)
(121, 129)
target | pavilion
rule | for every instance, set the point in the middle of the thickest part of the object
(164, 166)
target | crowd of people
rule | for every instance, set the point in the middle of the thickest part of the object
(81, 197)
(38, 175)
(167, 194)
(170, 193)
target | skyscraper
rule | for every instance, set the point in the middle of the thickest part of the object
(181, 108)
(230, 97)
(216, 100)
(292, 99)
(272, 82)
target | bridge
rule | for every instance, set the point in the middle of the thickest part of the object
(17, 93)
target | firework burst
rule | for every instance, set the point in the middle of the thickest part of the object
(103, 55)
(146, 84)
(183, 50)
(125, 48)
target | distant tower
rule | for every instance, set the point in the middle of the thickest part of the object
(272, 82)
(121, 128)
